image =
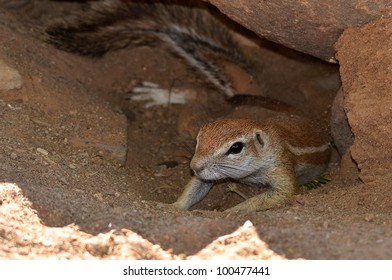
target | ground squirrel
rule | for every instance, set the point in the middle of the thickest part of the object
(279, 153)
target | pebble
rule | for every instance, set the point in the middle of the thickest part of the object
(369, 217)
(63, 180)
(40, 122)
(42, 151)
(72, 166)
(163, 171)
(14, 156)
(9, 77)
(99, 197)
(47, 242)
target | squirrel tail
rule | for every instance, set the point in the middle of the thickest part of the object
(190, 32)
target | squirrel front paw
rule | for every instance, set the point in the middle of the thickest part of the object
(178, 205)
(238, 210)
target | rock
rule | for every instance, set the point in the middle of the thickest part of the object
(348, 171)
(365, 59)
(340, 128)
(9, 77)
(309, 26)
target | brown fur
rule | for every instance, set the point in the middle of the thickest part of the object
(292, 150)
(212, 135)
(189, 29)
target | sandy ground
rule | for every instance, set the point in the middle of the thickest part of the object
(86, 173)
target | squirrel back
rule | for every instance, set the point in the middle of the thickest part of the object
(187, 29)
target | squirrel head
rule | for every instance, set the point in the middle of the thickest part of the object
(229, 148)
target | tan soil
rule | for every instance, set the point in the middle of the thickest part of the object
(67, 191)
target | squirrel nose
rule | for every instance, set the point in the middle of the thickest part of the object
(195, 167)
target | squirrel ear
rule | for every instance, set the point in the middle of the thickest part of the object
(259, 138)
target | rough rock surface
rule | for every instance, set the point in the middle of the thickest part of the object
(340, 129)
(309, 26)
(365, 64)
(9, 77)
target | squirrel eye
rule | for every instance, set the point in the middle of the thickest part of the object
(236, 148)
